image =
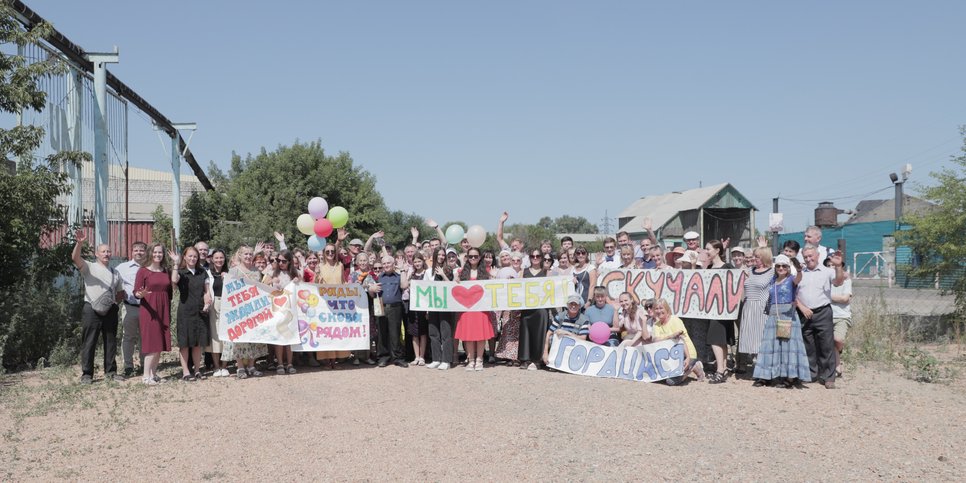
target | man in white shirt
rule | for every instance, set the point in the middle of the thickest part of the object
(813, 236)
(610, 259)
(102, 291)
(131, 324)
(815, 311)
(841, 316)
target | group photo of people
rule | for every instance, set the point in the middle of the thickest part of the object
(790, 329)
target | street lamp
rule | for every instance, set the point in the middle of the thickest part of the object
(906, 171)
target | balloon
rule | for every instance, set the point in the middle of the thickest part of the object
(305, 224)
(323, 227)
(318, 207)
(599, 332)
(476, 235)
(454, 234)
(316, 243)
(338, 216)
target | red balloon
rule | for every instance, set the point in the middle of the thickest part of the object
(323, 227)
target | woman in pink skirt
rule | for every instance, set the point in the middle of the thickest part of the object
(474, 328)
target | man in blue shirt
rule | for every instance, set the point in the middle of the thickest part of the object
(601, 311)
(390, 287)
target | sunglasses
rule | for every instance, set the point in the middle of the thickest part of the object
(472, 257)
(548, 259)
(282, 260)
(274, 260)
(609, 247)
(534, 256)
(329, 252)
(377, 266)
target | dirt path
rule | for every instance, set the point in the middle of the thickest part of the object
(501, 424)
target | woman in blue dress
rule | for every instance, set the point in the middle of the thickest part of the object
(782, 360)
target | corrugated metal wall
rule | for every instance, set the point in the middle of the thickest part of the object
(136, 231)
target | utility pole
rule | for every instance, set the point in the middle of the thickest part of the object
(774, 235)
(101, 161)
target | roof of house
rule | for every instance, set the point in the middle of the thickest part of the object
(885, 210)
(664, 207)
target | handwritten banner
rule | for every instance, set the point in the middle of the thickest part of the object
(648, 363)
(487, 295)
(253, 312)
(331, 317)
(701, 294)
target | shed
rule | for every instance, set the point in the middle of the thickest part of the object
(715, 212)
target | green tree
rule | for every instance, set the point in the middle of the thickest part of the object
(35, 313)
(936, 236)
(163, 227)
(573, 224)
(196, 220)
(266, 193)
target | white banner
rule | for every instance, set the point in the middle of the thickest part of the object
(331, 317)
(254, 312)
(489, 295)
(648, 363)
(700, 294)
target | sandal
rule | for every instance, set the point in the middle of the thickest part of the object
(758, 383)
(200, 376)
(241, 373)
(291, 369)
(187, 378)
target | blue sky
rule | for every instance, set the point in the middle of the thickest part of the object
(464, 109)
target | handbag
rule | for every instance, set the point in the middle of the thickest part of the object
(783, 327)
(378, 309)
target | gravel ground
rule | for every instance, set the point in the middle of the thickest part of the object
(501, 424)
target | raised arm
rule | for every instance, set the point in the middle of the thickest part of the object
(439, 231)
(499, 230)
(378, 234)
(75, 255)
(281, 241)
(175, 260)
(647, 225)
(415, 233)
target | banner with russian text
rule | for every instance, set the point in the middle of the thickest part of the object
(256, 313)
(701, 294)
(647, 363)
(489, 295)
(331, 317)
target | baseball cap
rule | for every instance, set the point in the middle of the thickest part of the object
(575, 299)
(450, 251)
(738, 249)
(691, 235)
(356, 241)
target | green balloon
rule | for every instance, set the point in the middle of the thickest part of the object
(338, 216)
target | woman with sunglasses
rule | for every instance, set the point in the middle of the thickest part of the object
(473, 328)
(585, 274)
(782, 360)
(533, 322)
(284, 273)
(330, 272)
(441, 323)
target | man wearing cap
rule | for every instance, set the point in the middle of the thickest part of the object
(572, 323)
(691, 240)
(815, 311)
(103, 288)
(132, 312)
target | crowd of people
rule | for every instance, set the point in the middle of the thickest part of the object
(791, 326)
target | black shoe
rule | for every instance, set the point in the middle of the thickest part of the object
(401, 363)
(115, 377)
(717, 378)
(758, 383)
(128, 371)
(383, 363)
(86, 380)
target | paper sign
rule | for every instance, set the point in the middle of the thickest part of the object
(256, 313)
(331, 317)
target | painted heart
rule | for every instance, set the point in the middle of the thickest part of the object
(281, 301)
(468, 297)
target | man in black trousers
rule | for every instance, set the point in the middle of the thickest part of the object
(815, 311)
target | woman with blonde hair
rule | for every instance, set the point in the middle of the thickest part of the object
(756, 295)
(668, 326)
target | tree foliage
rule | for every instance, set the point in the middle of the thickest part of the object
(266, 193)
(36, 314)
(937, 235)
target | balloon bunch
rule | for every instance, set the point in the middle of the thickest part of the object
(476, 235)
(320, 221)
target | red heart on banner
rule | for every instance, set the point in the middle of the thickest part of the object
(281, 301)
(468, 296)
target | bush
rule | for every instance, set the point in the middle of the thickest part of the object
(43, 322)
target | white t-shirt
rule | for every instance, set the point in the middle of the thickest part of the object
(842, 311)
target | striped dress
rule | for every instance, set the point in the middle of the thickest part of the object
(753, 312)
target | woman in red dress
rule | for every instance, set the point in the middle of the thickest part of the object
(153, 286)
(474, 328)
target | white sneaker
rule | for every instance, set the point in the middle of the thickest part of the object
(471, 366)
(216, 373)
(532, 367)
(432, 365)
(444, 366)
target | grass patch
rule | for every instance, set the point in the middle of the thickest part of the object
(879, 335)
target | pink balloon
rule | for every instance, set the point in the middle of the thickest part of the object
(323, 227)
(599, 332)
